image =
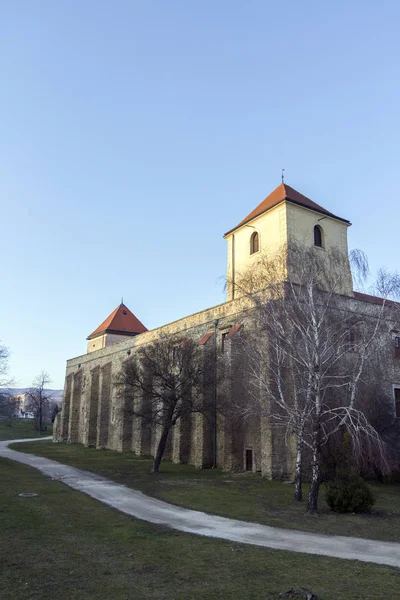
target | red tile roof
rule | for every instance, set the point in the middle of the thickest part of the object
(121, 321)
(281, 193)
(368, 298)
(374, 299)
(205, 338)
(232, 332)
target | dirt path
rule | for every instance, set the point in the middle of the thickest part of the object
(155, 511)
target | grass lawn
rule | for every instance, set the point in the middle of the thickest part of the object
(20, 428)
(243, 496)
(63, 544)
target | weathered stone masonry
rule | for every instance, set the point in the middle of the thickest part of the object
(93, 414)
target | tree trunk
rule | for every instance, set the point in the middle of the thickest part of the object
(161, 446)
(378, 474)
(298, 490)
(40, 420)
(312, 505)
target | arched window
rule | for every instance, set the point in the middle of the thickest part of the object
(318, 236)
(254, 243)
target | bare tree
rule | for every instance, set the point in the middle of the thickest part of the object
(163, 383)
(339, 459)
(38, 399)
(4, 355)
(311, 353)
(54, 409)
(8, 404)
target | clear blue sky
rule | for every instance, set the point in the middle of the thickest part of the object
(133, 134)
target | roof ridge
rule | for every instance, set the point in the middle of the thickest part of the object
(121, 321)
(285, 192)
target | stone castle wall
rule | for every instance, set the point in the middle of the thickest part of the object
(94, 415)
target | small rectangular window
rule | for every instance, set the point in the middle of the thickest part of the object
(223, 341)
(352, 338)
(397, 401)
(396, 344)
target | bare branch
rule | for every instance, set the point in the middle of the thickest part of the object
(359, 266)
(310, 349)
(39, 398)
(163, 383)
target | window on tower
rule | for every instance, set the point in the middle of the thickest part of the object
(318, 236)
(254, 243)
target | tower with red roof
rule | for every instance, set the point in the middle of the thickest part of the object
(120, 324)
(283, 216)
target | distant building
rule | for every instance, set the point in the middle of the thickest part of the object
(22, 407)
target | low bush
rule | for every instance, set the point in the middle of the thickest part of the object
(350, 495)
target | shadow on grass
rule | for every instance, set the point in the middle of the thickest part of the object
(244, 496)
(62, 544)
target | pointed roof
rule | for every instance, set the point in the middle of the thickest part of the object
(280, 194)
(121, 321)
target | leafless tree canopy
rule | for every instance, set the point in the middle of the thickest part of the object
(387, 285)
(39, 399)
(54, 409)
(359, 266)
(309, 352)
(4, 356)
(8, 404)
(163, 383)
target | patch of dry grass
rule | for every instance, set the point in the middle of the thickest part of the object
(245, 496)
(63, 544)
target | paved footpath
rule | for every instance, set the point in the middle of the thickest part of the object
(155, 511)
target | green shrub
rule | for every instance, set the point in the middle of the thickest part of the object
(350, 495)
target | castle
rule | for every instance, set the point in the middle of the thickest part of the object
(92, 412)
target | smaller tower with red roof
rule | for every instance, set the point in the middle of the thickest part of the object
(121, 324)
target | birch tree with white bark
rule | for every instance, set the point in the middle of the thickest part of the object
(310, 349)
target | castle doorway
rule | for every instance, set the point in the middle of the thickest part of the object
(249, 460)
